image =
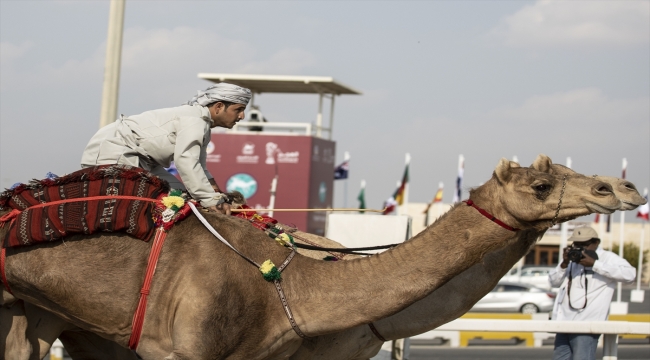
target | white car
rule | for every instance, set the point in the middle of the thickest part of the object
(533, 275)
(516, 297)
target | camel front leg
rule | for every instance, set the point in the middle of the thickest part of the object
(14, 344)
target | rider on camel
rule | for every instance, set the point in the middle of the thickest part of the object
(153, 139)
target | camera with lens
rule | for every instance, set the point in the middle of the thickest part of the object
(575, 254)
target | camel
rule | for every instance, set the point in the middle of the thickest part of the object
(359, 342)
(451, 300)
(507, 179)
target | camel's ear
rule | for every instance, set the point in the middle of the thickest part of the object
(502, 171)
(542, 163)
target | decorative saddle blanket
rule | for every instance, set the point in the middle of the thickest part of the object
(31, 223)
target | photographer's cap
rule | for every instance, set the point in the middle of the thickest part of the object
(583, 233)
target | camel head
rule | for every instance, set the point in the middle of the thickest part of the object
(528, 197)
(624, 190)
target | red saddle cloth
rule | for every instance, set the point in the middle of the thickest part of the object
(51, 223)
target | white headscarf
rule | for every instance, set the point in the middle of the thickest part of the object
(222, 92)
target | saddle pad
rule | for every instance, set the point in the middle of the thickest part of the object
(51, 223)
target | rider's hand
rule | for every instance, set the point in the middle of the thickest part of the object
(221, 208)
(224, 208)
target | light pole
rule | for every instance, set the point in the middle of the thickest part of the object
(112, 66)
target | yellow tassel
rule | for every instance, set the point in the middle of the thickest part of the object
(283, 239)
(170, 201)
(269, 271)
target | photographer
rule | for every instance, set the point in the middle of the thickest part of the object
(588, 275)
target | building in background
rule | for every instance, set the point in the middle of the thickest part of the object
(300, 156)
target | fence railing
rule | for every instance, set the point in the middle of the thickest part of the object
(610, 329)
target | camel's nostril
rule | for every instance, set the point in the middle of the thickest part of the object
(604, 188)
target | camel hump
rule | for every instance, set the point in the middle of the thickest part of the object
(45, 223)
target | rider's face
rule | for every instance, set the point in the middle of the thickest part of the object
(227, 117)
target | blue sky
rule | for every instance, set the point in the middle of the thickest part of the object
(486, 79)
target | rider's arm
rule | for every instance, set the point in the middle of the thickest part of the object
(189, 147)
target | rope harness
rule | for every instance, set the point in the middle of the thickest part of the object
(276, 282)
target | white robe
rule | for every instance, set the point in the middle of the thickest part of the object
(153, 139)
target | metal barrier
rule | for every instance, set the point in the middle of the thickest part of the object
(610, 329)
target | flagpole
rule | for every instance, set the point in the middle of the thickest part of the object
(601, 227)
(563, 226)
(405, 203)
(346, 157)
(639, 272)
(458, 196)
(274, 185)
(111, 86)
(619, 286)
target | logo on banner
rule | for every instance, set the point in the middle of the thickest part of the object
(243, 183)
(328, 156)
(272, 150)
(209, 150)
(248, 155)
(322, 192)
(315, 156)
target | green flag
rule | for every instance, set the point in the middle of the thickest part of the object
(362, 199)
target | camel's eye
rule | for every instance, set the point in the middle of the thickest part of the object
(542, 187)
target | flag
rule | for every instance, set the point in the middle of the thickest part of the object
(389, 205)
(459, 180)
(644, 210)
(436, 199)
(172, 169)
(609, 223)
(597, 218)
(399, 193)
(398, 196)
(362, 196)
(341, 171)
(624, 168)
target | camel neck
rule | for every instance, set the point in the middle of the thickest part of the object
(364, 290)
(458, 295)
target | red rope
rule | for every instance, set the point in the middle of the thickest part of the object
(490, 216)
(10, 216)
(138, 317)
(91, 198)
(3, 255)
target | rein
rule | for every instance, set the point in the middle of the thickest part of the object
(345, 250)
(559, 204)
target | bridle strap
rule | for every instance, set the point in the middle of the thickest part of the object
(377, 334)
(469, 202)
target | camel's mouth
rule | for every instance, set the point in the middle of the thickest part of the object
(630, 205)
(598, 208)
